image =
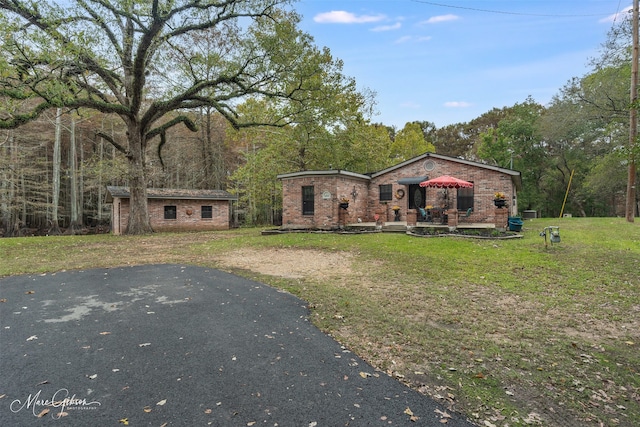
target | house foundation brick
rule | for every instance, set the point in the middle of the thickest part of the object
(501, 216)
(412, 217)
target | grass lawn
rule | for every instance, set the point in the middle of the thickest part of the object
(509, 332)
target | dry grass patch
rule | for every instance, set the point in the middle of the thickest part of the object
(290, 263)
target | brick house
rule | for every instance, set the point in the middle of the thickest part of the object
(311, 199)
(174, 210)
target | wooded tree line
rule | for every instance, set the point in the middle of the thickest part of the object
(71, 125)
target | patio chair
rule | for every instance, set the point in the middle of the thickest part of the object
(422, 215)
(466, 216)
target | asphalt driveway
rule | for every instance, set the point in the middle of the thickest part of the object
(171, 345)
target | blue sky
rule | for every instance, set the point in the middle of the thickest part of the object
(449, 61)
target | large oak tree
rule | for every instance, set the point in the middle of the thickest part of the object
(137, 60)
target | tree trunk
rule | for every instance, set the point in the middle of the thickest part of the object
(75, 224)
(81, 183)
(9, 205)
(633, 127)
(54, 226)
(138, 208)
(101, 157)
(205, 140)
(217, 135)
(6, 185)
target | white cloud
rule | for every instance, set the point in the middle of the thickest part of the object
(617, 16)
(403, 39)
(457, 104)
(406, 39)
(395, 26)
(343, 17)
(441, 18)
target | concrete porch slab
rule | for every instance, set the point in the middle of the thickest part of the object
(398, 226)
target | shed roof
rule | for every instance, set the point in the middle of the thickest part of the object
(171, 193)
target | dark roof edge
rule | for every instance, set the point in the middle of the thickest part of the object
(324, 173)
(516, 176)
(123, 193)
(449, 158)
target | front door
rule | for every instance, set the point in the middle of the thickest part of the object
(417, 196)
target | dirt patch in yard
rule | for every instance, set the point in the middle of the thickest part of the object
(290, 263)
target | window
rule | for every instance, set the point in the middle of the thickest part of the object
(308, 207)
(170, 212)
(465, 198)
(386, 192)
(206, 212)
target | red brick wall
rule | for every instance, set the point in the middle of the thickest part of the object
(184, 222)
(328, 190)
(220, 215)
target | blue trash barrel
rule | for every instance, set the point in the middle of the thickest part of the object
(515, 223)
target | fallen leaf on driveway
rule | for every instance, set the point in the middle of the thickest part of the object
(124, 421)
(147, 409)
(144, 344)
(105, 333)
(412, 417)
(43, 413)
(30, 292)
(365, 374)
(442, 414)
(32, 337)
(162, 402)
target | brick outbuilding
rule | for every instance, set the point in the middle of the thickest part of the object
(175, 210)
(333, 198)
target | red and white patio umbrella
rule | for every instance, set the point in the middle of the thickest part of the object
(446, 181)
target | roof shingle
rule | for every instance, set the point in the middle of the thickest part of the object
(171, 193)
